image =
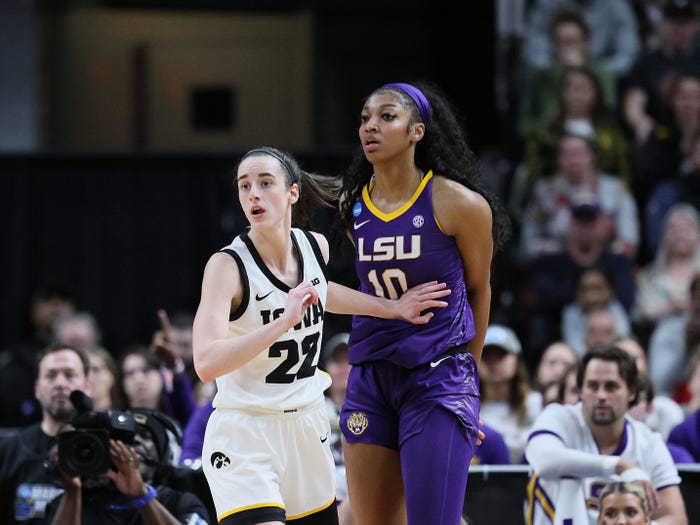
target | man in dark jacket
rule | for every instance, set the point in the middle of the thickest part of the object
(28, 480)
(135, 491)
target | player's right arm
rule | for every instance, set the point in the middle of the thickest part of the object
(214, 351)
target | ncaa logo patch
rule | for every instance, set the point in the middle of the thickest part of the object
(220, 460)
(356, 209)
(357, 423)
(418, 221)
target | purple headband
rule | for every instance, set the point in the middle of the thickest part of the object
(416, 95)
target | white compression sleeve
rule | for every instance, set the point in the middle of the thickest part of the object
(551, 459)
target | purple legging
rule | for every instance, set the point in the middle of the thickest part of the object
(435, 467)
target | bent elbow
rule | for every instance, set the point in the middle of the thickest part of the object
(204, 373)
(544, 466)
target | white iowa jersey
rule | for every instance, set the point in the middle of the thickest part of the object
(640, 445)
(284, 376)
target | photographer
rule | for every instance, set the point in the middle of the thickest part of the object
(135, 489)
(28, 481)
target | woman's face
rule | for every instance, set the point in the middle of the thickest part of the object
(579, 95)
(576, 160)
(622, 508)
(143, 384)
(553, 362)
(102, 382)
(572, 394)
(570, 45)
(593, 291)
(385, 130)
(263, 192)
(686, 99)
(497, 365)
(682, 233)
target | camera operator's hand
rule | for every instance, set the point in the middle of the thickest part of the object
(127, 478)
(70, 482)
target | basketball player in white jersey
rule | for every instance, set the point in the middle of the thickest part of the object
(257, 332)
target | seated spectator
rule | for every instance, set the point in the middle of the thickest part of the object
(564, 391)
(686, 435)
(659, 158)
(578, 187)
(624, 501)
(26, 484)
(614, 42)
(143, 385)
(137, 490)
(551, 285)
(507, 403)
(103, 378)
(663, 413)
(579, 110)
(78, 329)
(602, 328)
(691, 390)
(644, 408)
(670, 343)
(555, 359)
(594, 291)
(683, 188)
(683, 440)
(643, 102)
(663, 285)
(18, 362)
(570, 38)
(574, 449)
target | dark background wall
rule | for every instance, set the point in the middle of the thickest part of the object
(127, 234)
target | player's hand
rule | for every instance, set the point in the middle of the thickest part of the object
(299, 299)
(480, 436)
(412, 306)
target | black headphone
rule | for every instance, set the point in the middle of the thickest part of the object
(167, 432)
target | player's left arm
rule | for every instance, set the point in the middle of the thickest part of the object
(412, 306)
(466, 215)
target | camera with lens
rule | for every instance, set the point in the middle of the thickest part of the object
(85, 450)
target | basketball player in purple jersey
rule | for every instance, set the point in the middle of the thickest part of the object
(415, 211)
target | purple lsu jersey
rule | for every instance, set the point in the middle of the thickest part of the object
(394, 252)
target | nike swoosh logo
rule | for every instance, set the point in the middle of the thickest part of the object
(357, 226)
(324, 438)
(433, 364)
(259, 298)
